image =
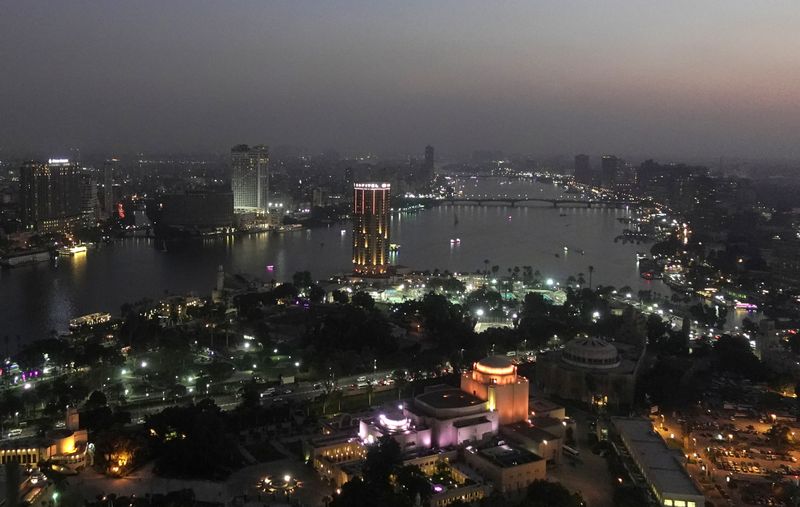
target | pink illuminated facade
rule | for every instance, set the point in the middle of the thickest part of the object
(495, 380)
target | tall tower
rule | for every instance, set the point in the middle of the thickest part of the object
(51, 195)
(583, 170)
(250, 177)
(429, 162)
(371, 207)
(109, 168)
(609, 167)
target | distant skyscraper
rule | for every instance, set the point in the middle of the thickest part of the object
(52, 196)
(371, 206)
(109, 168)
(583, 170)
(608, 173)
(250, 177)
(429, 173)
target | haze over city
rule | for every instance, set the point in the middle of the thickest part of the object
(678, 79)
(377, 253)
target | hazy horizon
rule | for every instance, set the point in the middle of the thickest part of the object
(682, 79)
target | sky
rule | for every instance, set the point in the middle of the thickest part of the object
(699, 78)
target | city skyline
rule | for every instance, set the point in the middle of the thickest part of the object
(680, 80)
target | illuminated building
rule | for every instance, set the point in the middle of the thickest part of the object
(64, 447)
(495, 380)
(663, 470)
(250, 177)
(441, 417)
(52, 197)
(591, 370)
(510, 468)
(371, 238)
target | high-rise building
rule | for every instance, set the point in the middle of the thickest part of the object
(89, 202)
(371, 207)
(608, 171)
(583, 170)
(250, 177)
(109, 168)
(51, 195)
(428, 167)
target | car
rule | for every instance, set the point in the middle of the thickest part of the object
(361, 379)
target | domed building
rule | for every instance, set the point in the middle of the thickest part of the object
(592, 353)
(495, 380)
(590, 369)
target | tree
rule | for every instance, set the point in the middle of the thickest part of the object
(285, 291)
(302, 279)
(96, 399)
(413, 483)
(542, 493)
(340, 296)
(382, 460)
(316, 294)
(591, 271)
(363, 300)
(734, 354)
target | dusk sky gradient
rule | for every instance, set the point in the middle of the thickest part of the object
(682, 78)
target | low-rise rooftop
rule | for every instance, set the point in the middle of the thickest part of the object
(506, 456)
(658, 462)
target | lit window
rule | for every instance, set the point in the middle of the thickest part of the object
(691, 504)
(667, 502)
(680, 503)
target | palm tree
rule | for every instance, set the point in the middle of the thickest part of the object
(370, 391)
(591, 270)
(486, 269)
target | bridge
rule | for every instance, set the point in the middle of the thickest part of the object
(481, 200)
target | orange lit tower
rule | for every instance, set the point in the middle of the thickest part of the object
(371, 207)
(495, 380)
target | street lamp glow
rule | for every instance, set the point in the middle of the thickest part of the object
(479, 312)
(144, 364)
(549, 282)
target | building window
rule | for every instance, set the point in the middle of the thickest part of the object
(680, 503)
(668, 502)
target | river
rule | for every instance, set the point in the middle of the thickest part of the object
(37, 299)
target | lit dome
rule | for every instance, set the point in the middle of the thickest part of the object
(495, 365)
(394, 421)
(591, 352)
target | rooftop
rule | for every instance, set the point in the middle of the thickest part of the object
(659, 463)
(472, 421)
(449, 398)
(506, 456)
(531, 432)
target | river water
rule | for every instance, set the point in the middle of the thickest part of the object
(39, 298)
